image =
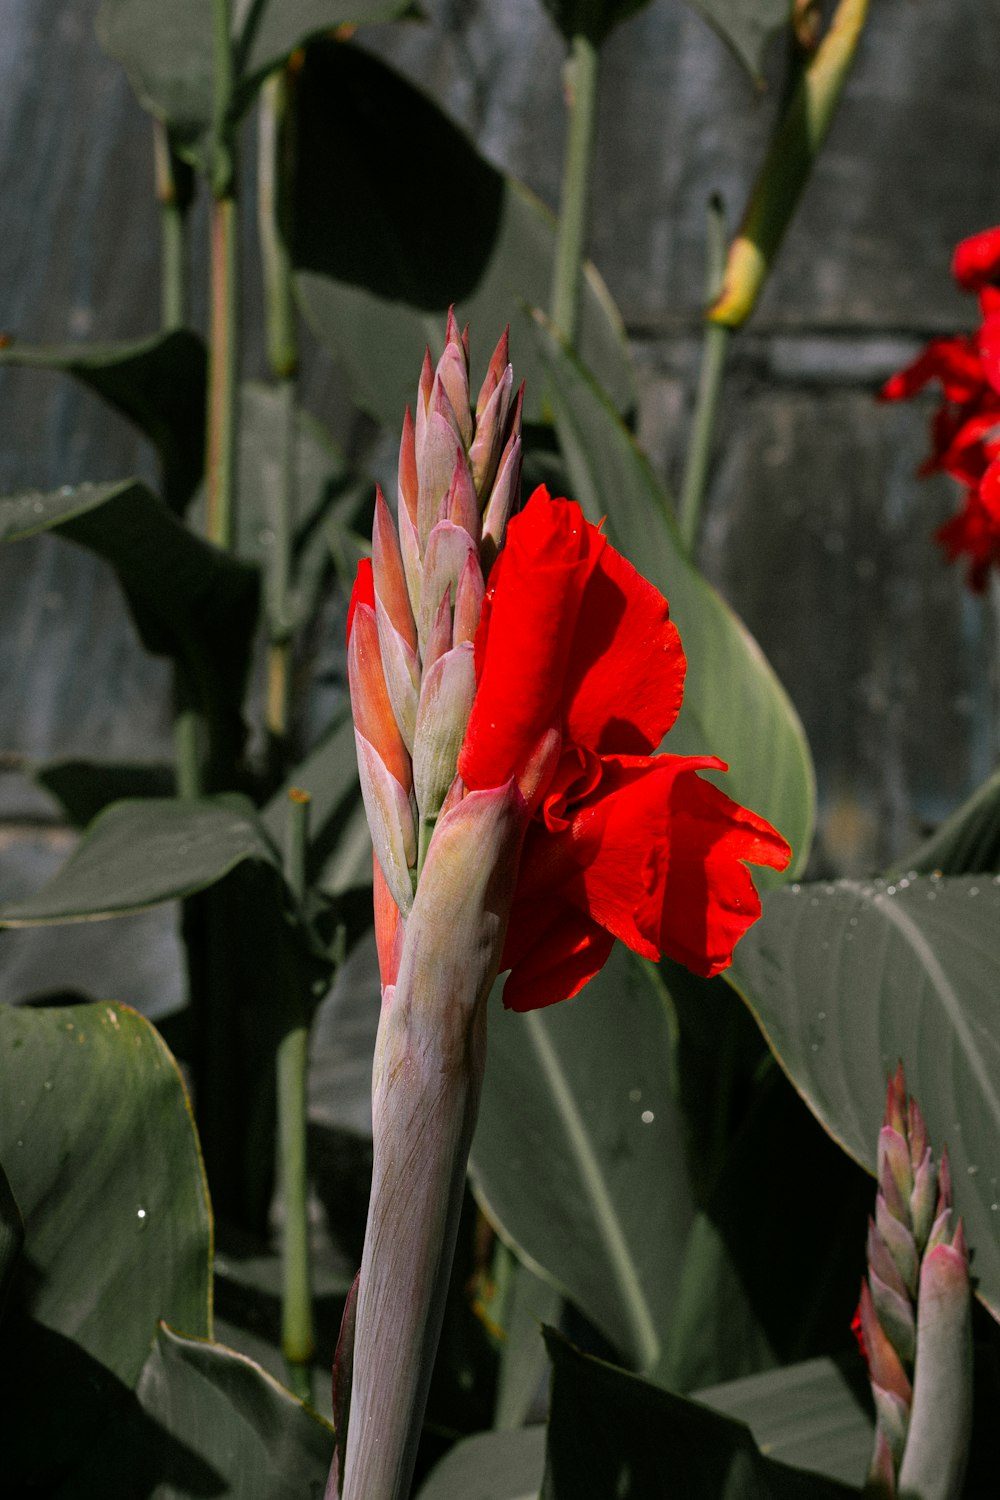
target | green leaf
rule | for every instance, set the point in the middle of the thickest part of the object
(578, 1156)
(847, 978)
(734, 706)
(208, 1421)
(611, 1433)
(530, 1302)
(454, 230)
(98, 1142)
(136, 854)
(166, 50)
(490, 1466)
(11, 1237)
(746, 26)
(157, 383)
(815, 1415)
(190, 601)
(84, 788)
(591, 18)
(326, 490)
(967, 843)
(781, 1203)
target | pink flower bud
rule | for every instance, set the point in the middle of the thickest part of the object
(446, 695)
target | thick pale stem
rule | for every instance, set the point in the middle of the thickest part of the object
(425, 1093)
(581, 90)
(297, 1340)
(425, 1098)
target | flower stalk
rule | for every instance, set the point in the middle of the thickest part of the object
(914, 1319)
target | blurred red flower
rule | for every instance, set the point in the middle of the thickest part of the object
(580, 675)
(965, 428)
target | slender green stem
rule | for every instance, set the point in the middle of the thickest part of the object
(223, 353)
(188, 725)
(581, 93)
(222, 378)
(715, 346)
(174, 191)
(274, 191)
(297, 1340)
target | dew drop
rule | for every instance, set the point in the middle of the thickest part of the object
(972, 1171)
(647, 1117)
(821, 1015)
(140, 1213)
(48, 1085)
(634, 1095)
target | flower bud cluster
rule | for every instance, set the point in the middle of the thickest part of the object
(913, 1317)
(414, 617)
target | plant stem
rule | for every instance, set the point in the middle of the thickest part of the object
(581, 95)
(188, 725)
(274, 187)
(174, 190)
(223, 354)
(715, 346)
(222, 381)
(297, 1340)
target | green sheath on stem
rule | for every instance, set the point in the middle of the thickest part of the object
(793, 149)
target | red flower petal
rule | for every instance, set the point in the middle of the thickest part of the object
(976, 261)
(552, 952)
(954, 362)
(710, 899)
(550, 553)
(626, 667)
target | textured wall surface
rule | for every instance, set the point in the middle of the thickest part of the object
(815, 529)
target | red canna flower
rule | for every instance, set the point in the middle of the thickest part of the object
(965, 428)
(580, 675)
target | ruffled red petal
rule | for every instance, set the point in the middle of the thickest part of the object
(976, 261)
(625, 681)
(552, 952)
(550, 553)
(710, 899)
(954, 362)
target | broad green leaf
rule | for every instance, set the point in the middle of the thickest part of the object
(734, 706)
(326, 489)
(530, 1302)
(190, 601)
(578, 1156)
(490, 1466)
(451, 230)
(593, 19)
(967, 843)
(781, 1204)
(611, 1433)
(83, 788)
(138, 853)
(99, 1146)
(746, 26)
(848, 978)
(815, 1415)
(11, 1237)
(98, 1142)
(166, 50)
(208, 1421)
(157, 383)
